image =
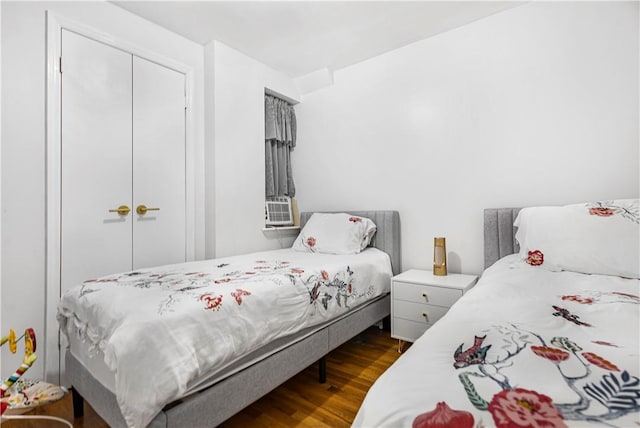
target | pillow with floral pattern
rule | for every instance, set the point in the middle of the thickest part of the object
(595, 237)
(335, 233)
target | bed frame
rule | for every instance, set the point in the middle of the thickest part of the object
(222, 400)
(499, 234)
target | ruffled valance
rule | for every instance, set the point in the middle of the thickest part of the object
(280, 121)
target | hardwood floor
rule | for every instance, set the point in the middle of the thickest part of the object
(300, 402)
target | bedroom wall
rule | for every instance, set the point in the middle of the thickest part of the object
(534, 105)
(235, 101)
(23, 146)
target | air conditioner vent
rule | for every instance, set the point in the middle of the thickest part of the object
(278, 211)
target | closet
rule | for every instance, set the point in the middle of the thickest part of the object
(122, 161)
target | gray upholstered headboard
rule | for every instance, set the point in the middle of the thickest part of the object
(499, 234)
(387, 237)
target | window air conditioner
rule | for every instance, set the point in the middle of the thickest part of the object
(278, 211)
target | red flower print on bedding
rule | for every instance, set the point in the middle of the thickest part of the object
(211, 302)
(605, 397)
(589, 297)
(197, 274)
(308, 242)
(325, 275)
(521, 408)
(535, 258)
(553, 354)
(238, 295)
(355, 219)
(444, 416)
(578, 299)
(602, 211)
(627, 209)
(597, 360)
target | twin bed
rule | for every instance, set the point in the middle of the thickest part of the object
(192, 344)
(548, 336)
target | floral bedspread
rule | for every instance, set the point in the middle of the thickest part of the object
(525, 348)
(160, 330)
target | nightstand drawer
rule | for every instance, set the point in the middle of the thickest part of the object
(418, 312)
(407, 330)
(439, 296)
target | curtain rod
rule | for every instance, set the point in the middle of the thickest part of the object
(273, 93)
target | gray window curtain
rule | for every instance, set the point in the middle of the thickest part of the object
(280, 139)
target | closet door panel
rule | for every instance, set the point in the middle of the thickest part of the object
(159, 237)
(96, 159)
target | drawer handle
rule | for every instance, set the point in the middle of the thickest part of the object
(424, 314)
(425, 296)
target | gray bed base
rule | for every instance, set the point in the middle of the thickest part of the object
(222, 400)
(499, 234)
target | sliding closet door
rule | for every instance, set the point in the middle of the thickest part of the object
(159, 234)
(96, 160)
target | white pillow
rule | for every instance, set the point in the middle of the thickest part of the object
(600, 237)
(335, 234)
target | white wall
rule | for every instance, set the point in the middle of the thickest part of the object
(23, 144)
(1, 324)
(534, 105)
(238, 172)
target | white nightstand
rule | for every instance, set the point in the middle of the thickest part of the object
(419, 299)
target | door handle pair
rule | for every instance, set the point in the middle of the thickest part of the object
(140, 209)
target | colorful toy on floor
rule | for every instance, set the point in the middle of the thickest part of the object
(29, 355)
(19, 395)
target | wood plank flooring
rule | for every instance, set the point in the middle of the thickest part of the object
(300, 402)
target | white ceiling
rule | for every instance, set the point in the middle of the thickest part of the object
(299, 37)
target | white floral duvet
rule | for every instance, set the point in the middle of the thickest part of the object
(162, 329)
(526, 347)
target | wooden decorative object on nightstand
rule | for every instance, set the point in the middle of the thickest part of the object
(419, 299)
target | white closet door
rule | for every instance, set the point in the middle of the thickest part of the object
(159, 236)
(96, 159)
